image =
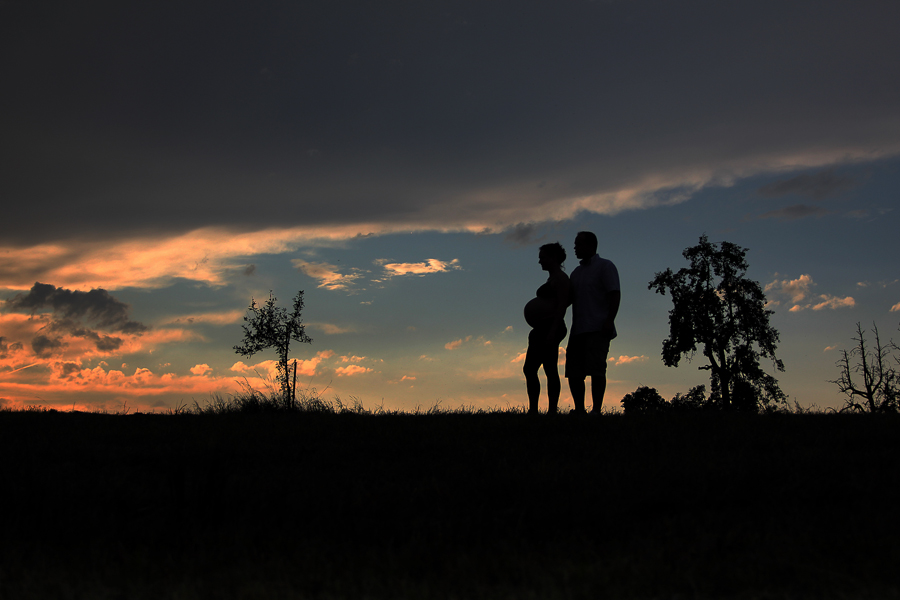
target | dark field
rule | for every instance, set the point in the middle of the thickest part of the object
(449, 506)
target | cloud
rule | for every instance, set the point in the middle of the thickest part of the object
(268, 369)
(798, 290)
(826, 301)
(447, 143)
(833, 302)
(332, 329)
(430, 266)
(797, 211)
(217, 318)
(351, 370)
(896, 307)
(457, 343)
(49, 380)
(55, 326)
(624, 360)
(328, 275)
(96, 306)
(201, 369)
(817, 186)
(523, 234)
(795, 289)
(829, 348)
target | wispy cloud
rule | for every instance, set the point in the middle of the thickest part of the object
(817, 186)
(216, 318)
(332, 329)
(329, 276)
(825, 301)
(797, 211)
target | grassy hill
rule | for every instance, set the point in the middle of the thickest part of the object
(495, 505)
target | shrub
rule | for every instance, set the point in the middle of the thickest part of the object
(644, 400)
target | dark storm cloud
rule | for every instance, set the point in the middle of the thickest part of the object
(814, 185)
(125, 118)
(97, 306)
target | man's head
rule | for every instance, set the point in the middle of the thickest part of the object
(585, 245)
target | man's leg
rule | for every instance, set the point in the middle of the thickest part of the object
(576, 386)
(598, 389)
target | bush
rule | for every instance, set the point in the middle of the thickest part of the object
(644, 400)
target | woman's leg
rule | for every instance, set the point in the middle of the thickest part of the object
(551, 370)
(532, 382)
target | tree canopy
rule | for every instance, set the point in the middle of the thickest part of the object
(717, 307)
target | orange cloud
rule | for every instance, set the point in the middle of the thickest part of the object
(269, 368)
(827, 301)
(59, 382)
(798, 289)
(432, 265)
(795, 289)
(624, 360)
(456, 344)
(201, 369)
(24, 342)
(351, 370)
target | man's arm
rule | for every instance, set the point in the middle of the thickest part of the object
(613, 299)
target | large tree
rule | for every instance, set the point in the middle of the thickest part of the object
(270, 326)
(715, 306)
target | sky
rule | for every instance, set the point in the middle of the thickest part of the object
(162, 164)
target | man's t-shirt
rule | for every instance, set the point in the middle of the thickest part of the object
(591, 284)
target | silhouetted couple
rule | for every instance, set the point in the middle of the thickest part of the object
(593, 291)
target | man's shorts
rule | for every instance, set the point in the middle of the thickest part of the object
(586, 355)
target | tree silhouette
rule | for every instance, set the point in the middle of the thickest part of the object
(270, 326)
(872, 382)
(717, 307)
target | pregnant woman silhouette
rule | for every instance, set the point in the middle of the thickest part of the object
(546, 315)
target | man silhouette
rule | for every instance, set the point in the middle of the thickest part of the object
(595, 303)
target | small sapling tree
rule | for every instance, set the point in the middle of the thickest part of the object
(869, 376)
(270, 326)
(717, 307)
